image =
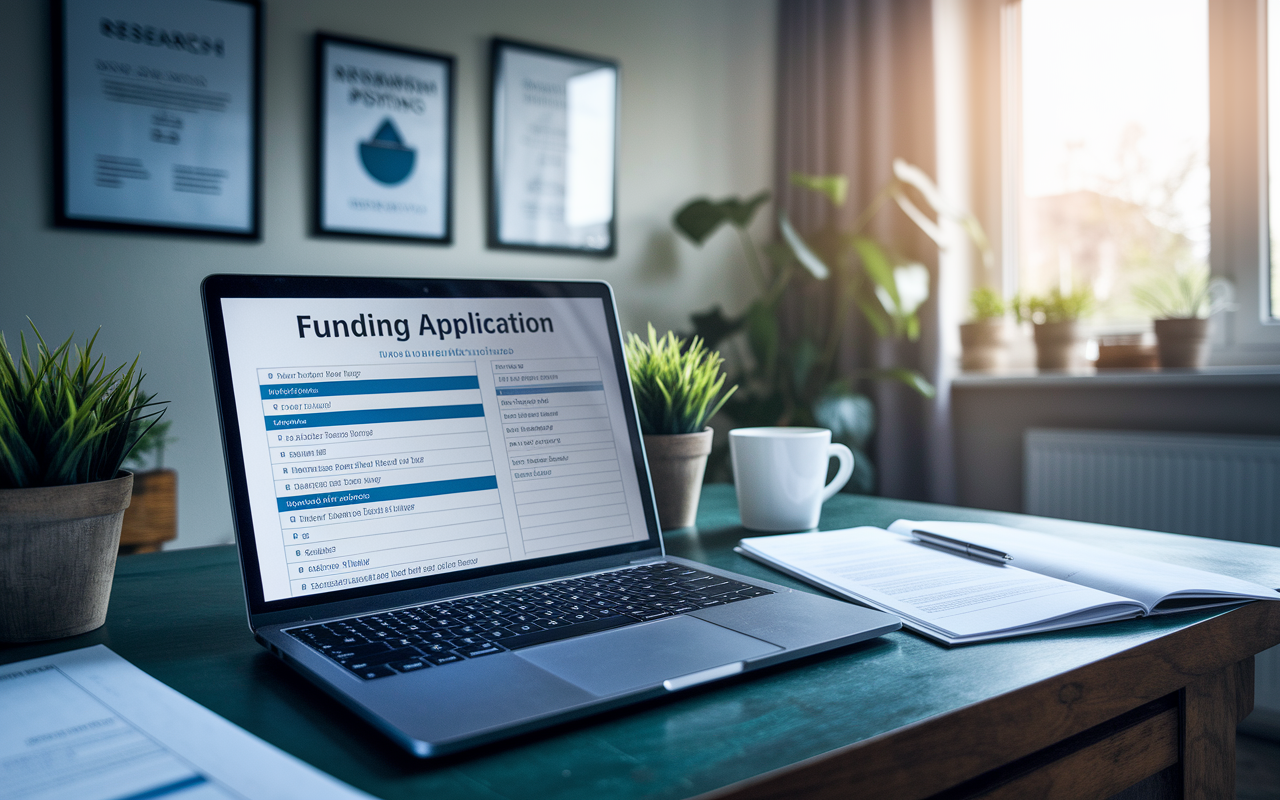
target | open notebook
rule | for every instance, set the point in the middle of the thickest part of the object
(1049, 583)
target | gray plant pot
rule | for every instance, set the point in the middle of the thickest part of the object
(983, 345)
(677, 463)
(58, 557)
(1057, 344)
(1182, 343)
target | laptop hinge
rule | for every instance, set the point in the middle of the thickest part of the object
(645, 560)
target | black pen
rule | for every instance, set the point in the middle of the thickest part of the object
(965, 548)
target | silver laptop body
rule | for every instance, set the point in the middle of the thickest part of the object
(412, 459)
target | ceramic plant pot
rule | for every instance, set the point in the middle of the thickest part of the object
(152, 516)
(1056, 344)
(983, 345)
(58, 557)
(677, 463)
(1182, 343)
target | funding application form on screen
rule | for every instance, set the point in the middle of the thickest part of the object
(392, 439)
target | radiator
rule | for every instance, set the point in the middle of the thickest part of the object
(1226, 487)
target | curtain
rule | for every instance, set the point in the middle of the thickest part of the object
(855, 91)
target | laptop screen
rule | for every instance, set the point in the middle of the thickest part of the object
(387, 440)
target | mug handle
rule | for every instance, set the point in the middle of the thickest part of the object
(843, 474)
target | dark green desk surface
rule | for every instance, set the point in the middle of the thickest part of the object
(180, 617)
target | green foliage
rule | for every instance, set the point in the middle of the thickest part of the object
(835, 187)
(987, 304)
(1185, 294)
(674, 384)
(1055, 306)
(699, 218)
(790, 374)
(147, 443)
(63, 418)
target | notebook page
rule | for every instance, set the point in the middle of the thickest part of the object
(1145, 580)
(956, 596)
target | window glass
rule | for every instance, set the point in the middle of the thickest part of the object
(1115, 142)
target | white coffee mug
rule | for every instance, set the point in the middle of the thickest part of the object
(778, 473)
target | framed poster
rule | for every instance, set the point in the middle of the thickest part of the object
(552, 155)
(384, 147)
(157, 115)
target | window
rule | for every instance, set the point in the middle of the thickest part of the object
(1135, 141)
(1115, 148)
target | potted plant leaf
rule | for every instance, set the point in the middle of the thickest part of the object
(1183, 301)
(983, 338)
(64, 433)
(676, 385)
(1056, 317)
(789, 364)
(152, 516)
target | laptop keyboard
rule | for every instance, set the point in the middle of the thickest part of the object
(438, 634)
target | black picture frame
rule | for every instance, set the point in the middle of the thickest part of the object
(321, 223)
(501, 136)
(138, 31)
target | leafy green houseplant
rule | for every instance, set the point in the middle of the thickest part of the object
(152, 516)
(788, 364)
(678, 386)
(65, 424)
(984, 338)
(1182, 302)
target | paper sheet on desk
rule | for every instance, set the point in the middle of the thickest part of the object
(89, 725)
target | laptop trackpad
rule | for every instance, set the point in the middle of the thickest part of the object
(644, 655)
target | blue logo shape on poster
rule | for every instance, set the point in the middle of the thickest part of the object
(385, 157)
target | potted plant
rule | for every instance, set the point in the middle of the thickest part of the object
(1056, 317)
(152, 516)
(1183, 301)
(675, 389)
(983, 339)
(786, 346)
(64, 433)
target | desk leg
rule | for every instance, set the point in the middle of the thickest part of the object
(1212, 706)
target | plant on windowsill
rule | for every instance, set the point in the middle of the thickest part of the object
(64, 434)
(983, 339)
(1183, 301)
(676, 385)
(152, 516)
(1056, 317)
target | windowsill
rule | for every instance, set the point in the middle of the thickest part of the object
(1090, 377)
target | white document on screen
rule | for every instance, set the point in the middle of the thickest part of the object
(87, 724)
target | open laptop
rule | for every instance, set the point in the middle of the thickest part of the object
(444, 515)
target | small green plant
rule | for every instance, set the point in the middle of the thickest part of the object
(674, 384)
(63, 418)
(987, 304)
(147, 443)
(1055, 306)
(1185, 294)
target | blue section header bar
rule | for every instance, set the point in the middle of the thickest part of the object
(381, 494)
(366, 416)
(552, 388)
(287, 391)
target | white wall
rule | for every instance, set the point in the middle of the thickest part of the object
(697, 117)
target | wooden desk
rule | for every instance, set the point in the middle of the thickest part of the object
(1082, 713)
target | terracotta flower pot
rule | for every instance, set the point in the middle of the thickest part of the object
(983, 344)
(58, 557)
(1182, 342)
(1056, 344)
(677, 463)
